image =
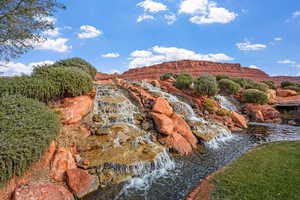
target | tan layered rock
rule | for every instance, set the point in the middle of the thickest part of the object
(285, 93)
(81, 182)
(63, 160)
(74, 109)
(42, 192)
(271, 96)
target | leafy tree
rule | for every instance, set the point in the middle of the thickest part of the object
(21, 22)
(206, 84)
(183, 81)
(229, 87)
(255, 96)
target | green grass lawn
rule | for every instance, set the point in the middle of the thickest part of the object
(271, 172)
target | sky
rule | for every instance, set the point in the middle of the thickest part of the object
(117, 35)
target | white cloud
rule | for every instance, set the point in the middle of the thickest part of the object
(160, 54)
(52, 32)
(247, 46)
(111, 55)
(170, 18)
(291, 62)
(278, 39)
(152, 6)
(253, 67)
(89, 32)
(206, 12)
(17, 69)
(144, 17)
(58, 45)
(296, 13)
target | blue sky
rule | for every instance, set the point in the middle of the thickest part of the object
(117, 35)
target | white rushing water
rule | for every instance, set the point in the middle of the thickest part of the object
(226, 104)
(207, 126)
(147, 173)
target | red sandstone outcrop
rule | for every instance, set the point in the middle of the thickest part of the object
(63, 161)
(285, 93)
(81, 182)
(42, 192)
(239, 119)
(195, 68)
(75, 108)
(263, 113)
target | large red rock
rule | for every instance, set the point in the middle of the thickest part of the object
(163, 123)
(181, 127)
(239, 119)
(263, 113)
(178, 143)
(42, 192)
(162, 106)
(286, 93)
(271, 96)
(74, 109)
(81, 182)
(63, 161)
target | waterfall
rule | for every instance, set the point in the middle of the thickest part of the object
(226, 104)
(146, 174)
(221, 134)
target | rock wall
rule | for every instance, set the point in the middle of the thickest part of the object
(195, 68)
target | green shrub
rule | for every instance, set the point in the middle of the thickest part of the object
(284, 84)
(222, 76)
(270, 84)
(26, 129)
(69, 82)
(31, 87)
(229, 87)
(77, 63)
(223, 112)
(210, 104)
(206, 85)
(293, 87)
(167, 76)
(258, 86)
(184, 81)
(255, 96)
(241, 81)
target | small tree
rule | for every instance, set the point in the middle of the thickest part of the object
(21, 22)
(255, 96)
(206, 85)
(271, 84)
(222, 76)
(183, 81)
(229, 87)
(167, 76)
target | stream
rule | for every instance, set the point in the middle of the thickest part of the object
(176, 182)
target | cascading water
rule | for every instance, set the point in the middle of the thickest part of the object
(217, 133)
(226, 104)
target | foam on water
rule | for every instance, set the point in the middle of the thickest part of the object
(147, 174)
(226, 104)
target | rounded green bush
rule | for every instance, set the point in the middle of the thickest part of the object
(255, 85)
(206, 85)
(241, 81)
(77, 63)
(32, 87)
(167, 76)
(183, 81)
(293, 87)
(69, 82)
(255, 96)
(222, 76)
(229, 87)
(271, 84)
(284, 84)
(27, 127)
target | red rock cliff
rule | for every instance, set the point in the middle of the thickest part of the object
(196, 68)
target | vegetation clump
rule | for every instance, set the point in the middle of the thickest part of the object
(255, 96)
(290, 86)
(69, 82)
(206, 85)
(210, 104)
(167, 76)
(77, 63)
(26, 129)
(229, 87)
(270, 84)
(183, 81)
(222, 76)
(223, 112)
